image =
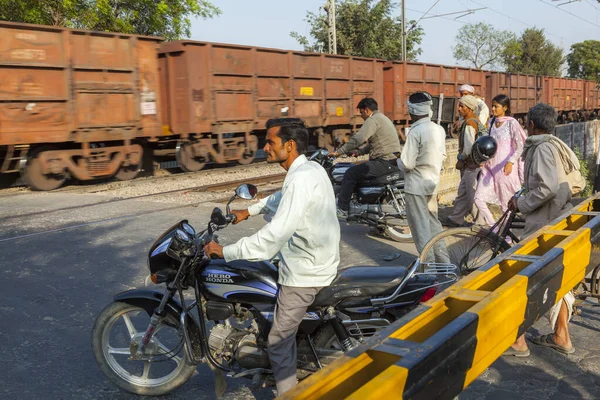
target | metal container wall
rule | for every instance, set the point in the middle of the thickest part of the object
(524, 91)
(592, 95)
(401, 79)
(564, 94)
(221, 88)
(62, 85)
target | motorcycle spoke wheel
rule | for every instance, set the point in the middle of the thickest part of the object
(163, 365)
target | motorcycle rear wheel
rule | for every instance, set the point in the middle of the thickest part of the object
(398, 233)
(121, 322)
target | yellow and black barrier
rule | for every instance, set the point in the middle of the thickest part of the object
(437, 350)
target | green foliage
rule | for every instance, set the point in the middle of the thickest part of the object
(168, 18)
(532, 54)
(364, 28)
(586, 172)
(584, 60)
(481, 45)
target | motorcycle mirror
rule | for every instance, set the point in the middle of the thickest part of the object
(321, 153)
(246, 191)
(217, 217)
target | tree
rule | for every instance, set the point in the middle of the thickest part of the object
(167, 18)
(481, 45)
(364, 28)
(533, 54)
(584, 60)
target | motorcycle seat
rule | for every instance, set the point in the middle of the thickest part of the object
(390, 178)
(360, 282)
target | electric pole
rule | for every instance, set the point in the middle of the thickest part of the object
(403, 31)
(329, 8)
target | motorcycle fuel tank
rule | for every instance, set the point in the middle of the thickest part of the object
(240, 281)
(338, 171)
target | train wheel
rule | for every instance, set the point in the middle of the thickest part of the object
(38, 180)
(249, 151)
(129, 172)
(186, 158)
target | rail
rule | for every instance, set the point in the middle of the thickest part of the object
(437, 350)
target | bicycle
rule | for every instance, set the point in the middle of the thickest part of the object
(470, 248)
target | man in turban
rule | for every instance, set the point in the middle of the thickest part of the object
(482, 111)
(421, 160)
(463, 204)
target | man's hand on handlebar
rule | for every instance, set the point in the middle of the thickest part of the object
(513, 204)
(213, 250)
(240, 215)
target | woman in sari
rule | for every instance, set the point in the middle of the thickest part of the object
(502, 175)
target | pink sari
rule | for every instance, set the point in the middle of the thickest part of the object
(494, 186)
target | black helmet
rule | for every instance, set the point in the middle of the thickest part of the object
(483, 149)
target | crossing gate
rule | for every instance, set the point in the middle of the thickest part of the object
(437, 350)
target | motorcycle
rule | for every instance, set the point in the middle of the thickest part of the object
(150, 342)
(379, 203)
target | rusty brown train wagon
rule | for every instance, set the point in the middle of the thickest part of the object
(564, 94)
(73, 103)
(592, 95)
(401, 79)
(218, 97)
(524, 91)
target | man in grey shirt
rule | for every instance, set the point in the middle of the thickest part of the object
(383, 145)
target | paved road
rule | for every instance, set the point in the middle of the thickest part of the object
(56, 283)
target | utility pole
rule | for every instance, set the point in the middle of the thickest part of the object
(329, 8)
(403, 31)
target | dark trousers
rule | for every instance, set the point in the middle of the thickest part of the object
(368, 170)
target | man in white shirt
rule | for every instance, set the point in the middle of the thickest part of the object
(482, 111)
(421, 160)
(304, 232)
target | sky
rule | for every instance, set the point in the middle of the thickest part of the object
(268, 23)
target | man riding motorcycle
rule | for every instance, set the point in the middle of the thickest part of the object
(304, 232)
(383, 145)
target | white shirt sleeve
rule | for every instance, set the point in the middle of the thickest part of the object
(469, 139)
(484, 112)
(268, 241)
(410, 151)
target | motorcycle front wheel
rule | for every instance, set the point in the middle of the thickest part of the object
(161, 368)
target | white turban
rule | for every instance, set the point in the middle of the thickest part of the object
(469, 101)
(466, 88)
(420, 108)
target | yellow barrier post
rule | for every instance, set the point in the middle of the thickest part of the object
(442, 346)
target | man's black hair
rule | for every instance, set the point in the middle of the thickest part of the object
(291, 129)
(418, 97)
(367, 102)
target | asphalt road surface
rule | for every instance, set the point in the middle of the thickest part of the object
(59, 271)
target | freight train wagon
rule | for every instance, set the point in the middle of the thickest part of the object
(75, 103)
(401, 79)
(573, 99)
(218, 97)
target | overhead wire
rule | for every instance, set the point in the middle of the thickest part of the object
(570, 13)
(514, 19)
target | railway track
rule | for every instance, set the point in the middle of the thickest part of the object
(215, 188)
(222, 187)
(110, 184)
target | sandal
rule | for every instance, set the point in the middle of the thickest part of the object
(517, 353)
(548, 341)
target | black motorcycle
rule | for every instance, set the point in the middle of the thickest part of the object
(379, 203)
(149, 342)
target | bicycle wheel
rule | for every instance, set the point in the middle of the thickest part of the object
(467, 248)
